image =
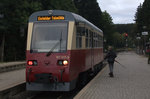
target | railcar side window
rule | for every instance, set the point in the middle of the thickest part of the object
(94, 39)
(87, 38)
(91, 37)
(79, 38)
(79, 34)
(98, 40)
(101, 41)
(81, 31)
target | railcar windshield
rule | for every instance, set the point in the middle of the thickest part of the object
(49, 36)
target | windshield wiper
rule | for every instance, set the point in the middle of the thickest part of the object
(51, 50)
(60, 40)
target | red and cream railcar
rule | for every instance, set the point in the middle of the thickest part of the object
(61, 46)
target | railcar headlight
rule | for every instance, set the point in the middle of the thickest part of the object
(65, 62)
(62, 62)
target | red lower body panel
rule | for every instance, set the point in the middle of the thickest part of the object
(48, 70)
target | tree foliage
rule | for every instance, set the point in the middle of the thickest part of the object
(142, 17)
(126, 28)
(90, 10)
(15, 20)
(108, 27)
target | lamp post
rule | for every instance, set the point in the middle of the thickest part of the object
(126, 37)
(138, 48)
(105, 45)
(144, 34)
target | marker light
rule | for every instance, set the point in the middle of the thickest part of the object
(65, 62)
(32, 63)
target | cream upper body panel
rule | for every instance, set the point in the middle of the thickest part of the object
(29, 37)
(70, 35)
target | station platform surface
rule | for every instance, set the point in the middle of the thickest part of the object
(10, 66)
(131, 82)
(5, 64)
(11, 79)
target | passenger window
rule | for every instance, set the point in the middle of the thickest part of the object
(81, 31)
(78, 42)
(90, 39)
(100, 41)
(87, 38)
(79, 37)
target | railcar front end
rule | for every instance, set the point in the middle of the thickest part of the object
(48, 59)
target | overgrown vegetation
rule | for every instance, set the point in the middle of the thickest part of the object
(14, 16)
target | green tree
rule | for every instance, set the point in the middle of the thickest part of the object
(90, 10)
(16, 14)
(126, 28)
(139, 18)
(118, 40)
(107, 27)
(142, 19)
(14, 23)
(67, 5)
(146, 14)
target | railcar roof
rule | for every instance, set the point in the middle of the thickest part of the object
(68, 16)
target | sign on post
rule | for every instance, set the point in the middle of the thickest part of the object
(144, 33)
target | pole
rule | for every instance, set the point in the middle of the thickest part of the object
(120, 64)
(126, 43)
(144, 45)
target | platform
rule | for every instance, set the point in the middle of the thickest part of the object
(132, 82)
(11, 79)
(9, 66)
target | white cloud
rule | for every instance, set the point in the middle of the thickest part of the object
(122, 11)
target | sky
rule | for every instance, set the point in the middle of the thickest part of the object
(121, 11)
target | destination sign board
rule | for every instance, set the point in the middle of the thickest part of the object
(47, 18)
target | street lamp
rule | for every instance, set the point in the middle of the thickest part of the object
(138, 49)
(144, 34)
(105, 45)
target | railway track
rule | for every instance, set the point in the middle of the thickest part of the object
(56, 95)
(60, 95)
